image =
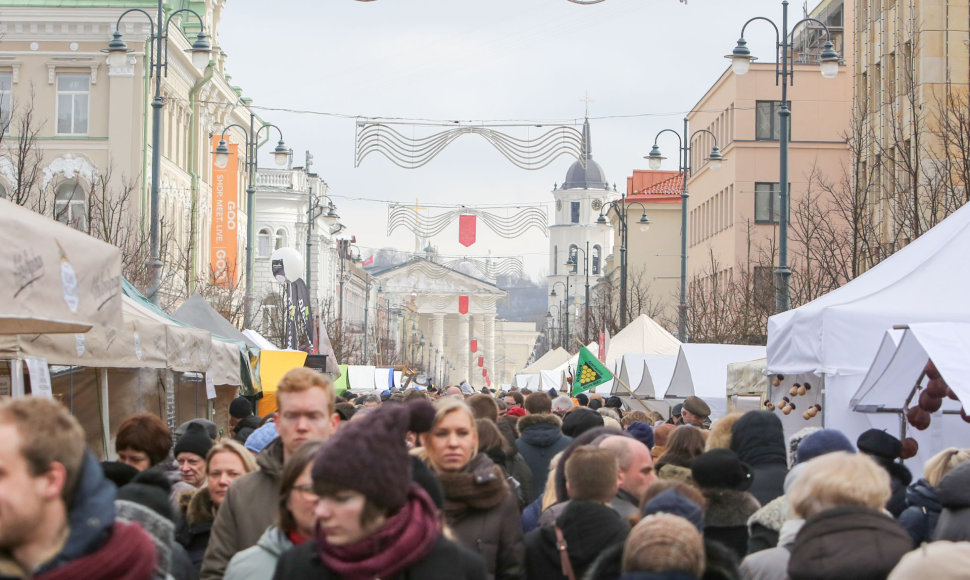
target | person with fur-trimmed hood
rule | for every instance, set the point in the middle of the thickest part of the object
(723, 479)
(540, 438)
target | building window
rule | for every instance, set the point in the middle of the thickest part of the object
(280, 238)
(597, 253)
(574, 212)
(767, 202)
(70, 206)
(264, 243)
(73, 93)
(6, 101)
(767, 123)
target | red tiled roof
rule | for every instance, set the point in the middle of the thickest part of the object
(647, 183)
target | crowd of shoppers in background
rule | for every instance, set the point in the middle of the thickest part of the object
(423, 483)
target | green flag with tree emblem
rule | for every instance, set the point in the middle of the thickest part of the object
(590, 372)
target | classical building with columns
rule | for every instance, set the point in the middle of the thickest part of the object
(449, 326)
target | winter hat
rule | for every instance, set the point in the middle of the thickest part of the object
(641, 432)
(119, 473)
(821, 442)
(517, 412)
(880, 444)
(261, 437)
(664, 543)
(614, 402)
(937, 560)
(195, 440)
(676, 411)
(595, 404)
(670, 501)
(369, 455)
(721, 469)
(385, 395)
(240, 408)
(661, 433)
(552, 393)
(211, 429)
(697, 406)
(578, 421)
(583, 399)
(151, 489)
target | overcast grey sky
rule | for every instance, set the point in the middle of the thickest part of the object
(644, 64)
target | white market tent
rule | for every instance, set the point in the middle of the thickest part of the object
(531, 382)
(892, 378)
(642, 336)
(547, 362)
(645, 374)
(839, 334)
(544, 373)
(701, 370)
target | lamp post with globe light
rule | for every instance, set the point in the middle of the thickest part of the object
(158, 65)
(619, 208)
(655, 158)
(280, 155)
(785, 74)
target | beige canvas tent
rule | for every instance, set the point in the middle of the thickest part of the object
(54, 278)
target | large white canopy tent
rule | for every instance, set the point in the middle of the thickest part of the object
(54, 278)
(838, 335)
(646, 375)
(898, 367)
(641, 336)
(701, 370)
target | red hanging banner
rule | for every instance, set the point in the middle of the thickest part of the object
(485, 373)
(463, 304)
(481, 361)
(488, 381)
(466, 230)
(474, 345)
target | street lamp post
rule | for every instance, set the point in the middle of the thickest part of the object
(280, 155)
(158, 65)
(551, 323)
(655, 158)
(621, 216)
(785, 74)
(566, 337)
(572, 262)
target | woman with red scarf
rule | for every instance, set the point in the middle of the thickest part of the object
(373, 521)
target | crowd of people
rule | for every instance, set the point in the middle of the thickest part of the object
(452, 484)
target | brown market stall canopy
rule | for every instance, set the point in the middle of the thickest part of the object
(53, 278)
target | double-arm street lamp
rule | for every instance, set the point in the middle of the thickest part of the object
(785, 74)
(158, 65)
(655, 158)
(572, 262)
(619, 208)
(280, 155)
(565, 306)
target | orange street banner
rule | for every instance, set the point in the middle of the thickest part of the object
(223, 237)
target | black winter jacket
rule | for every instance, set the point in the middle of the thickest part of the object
(589, 528)
(922, 511)
(539, 440)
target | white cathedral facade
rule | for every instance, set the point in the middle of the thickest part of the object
(577, 243)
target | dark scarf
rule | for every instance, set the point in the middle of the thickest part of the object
(129, 554)
(480, 485)
(406, 538)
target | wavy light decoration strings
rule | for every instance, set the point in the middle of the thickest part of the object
(429, 226)
(489, 268)
(413, 152)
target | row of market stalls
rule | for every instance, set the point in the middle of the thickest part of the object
(72, 329)
(869, 342)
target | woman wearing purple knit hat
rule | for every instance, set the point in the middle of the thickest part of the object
(373, 521)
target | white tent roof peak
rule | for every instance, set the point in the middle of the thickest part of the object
(702, 371)
(642, 336)
(840, 332)
(551, 360)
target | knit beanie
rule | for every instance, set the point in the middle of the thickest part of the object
(821, 442)
(369, 455)
(211, 429)
(240, 407)
(119, 473)
(664, 543)
(578, 421)
(195, 440)
(721, 469)
(151, 489)
(614, 402)
(879, 444)
(670, 501)
(641, 432)
(261, 437)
